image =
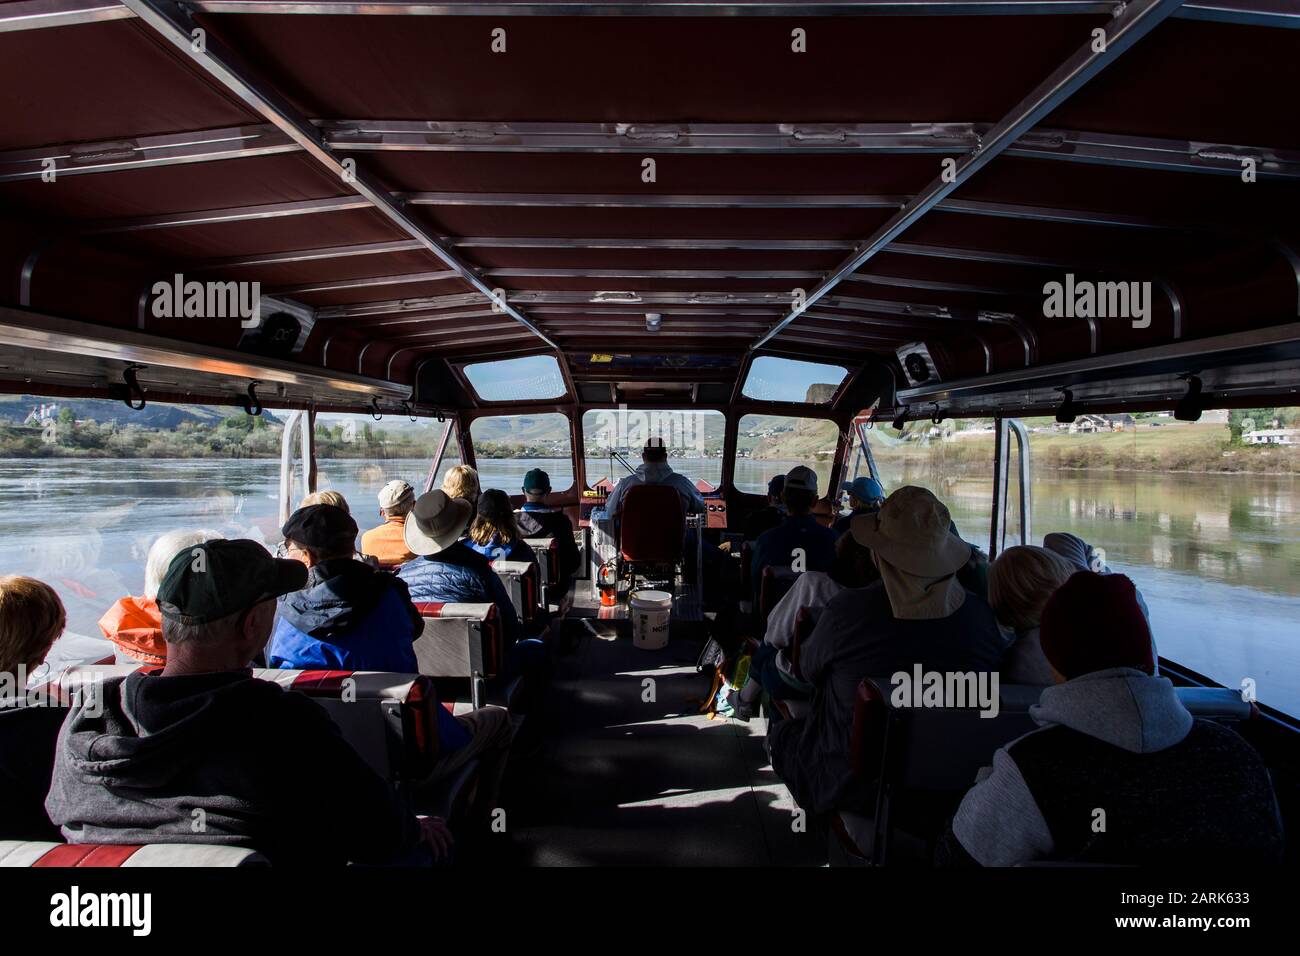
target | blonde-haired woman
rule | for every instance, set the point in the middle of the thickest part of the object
(461, 481)
(31, 619)
(1020, 582)
(325, 498)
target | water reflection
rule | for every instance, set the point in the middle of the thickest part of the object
(1217, 556)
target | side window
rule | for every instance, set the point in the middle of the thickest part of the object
(357, 455)
(506, 447)
(954, 459)
(769, 445)
(1204, 516)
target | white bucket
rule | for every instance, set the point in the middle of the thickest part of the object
(650, 612)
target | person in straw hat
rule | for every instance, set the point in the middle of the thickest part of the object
(917, 613)
(386, 543)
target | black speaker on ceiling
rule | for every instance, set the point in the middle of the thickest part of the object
(274, 337)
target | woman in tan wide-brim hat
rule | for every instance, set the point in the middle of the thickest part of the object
(917, 614)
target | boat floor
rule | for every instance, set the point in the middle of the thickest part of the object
(631, 773)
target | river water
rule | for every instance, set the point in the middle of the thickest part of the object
(1217, 557)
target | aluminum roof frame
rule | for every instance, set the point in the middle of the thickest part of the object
(1129, 26)
(409, 315)
(175, 26)
(44, 14)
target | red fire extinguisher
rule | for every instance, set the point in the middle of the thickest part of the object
(607, 582)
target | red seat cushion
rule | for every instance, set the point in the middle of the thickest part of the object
(652, 525)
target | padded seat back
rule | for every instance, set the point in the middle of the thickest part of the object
(459, 640)
(388, 718)
(942, 748)
(523, 583)
(775, 584)
(652, 525)
(548, 558)
(16, 853)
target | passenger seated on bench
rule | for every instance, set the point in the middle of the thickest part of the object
(535, 520)
(768, 516)
(447, 570)
(655, 470)
(354, 617)
(461, 481)
(494, 532)
(918, 613)
(1174, 789)
(769, 668)
(31, 620)
(349, 616)
(205, 753)
(865, 494)
(1020, 582)
(1087, 558)
(134, 624)
(800, 530)
(385, 543)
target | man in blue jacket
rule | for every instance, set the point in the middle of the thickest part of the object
(350, 616)
(447, 570)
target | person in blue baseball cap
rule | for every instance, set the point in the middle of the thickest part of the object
(865, 494)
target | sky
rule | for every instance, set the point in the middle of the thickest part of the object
(785, 380)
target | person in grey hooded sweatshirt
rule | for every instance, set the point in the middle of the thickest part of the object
(203, 752)
(1121, 773)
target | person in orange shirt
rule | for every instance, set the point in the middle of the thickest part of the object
(386, 543)
(134, 624)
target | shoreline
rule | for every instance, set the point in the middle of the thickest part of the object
(1038, 468)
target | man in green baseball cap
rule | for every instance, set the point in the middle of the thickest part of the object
(218, 579)
(203, 752)
(537, 520)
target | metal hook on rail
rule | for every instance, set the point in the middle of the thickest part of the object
(375, 413)
(133, 388)
(251, 404)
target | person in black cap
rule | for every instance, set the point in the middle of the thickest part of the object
(202, 752)
(350, 616)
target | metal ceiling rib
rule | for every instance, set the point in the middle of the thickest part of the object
(813, 139)
(43, 14)
(1132, 23)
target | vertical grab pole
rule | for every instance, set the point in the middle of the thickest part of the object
(286, 464)
(437, 455)
(999, 485)
(1026, 510)
(309, 450)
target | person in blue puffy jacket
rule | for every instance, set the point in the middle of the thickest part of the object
(350, 616)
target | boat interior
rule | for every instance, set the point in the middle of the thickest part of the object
(638, 204)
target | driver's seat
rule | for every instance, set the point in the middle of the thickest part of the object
(652, 532)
